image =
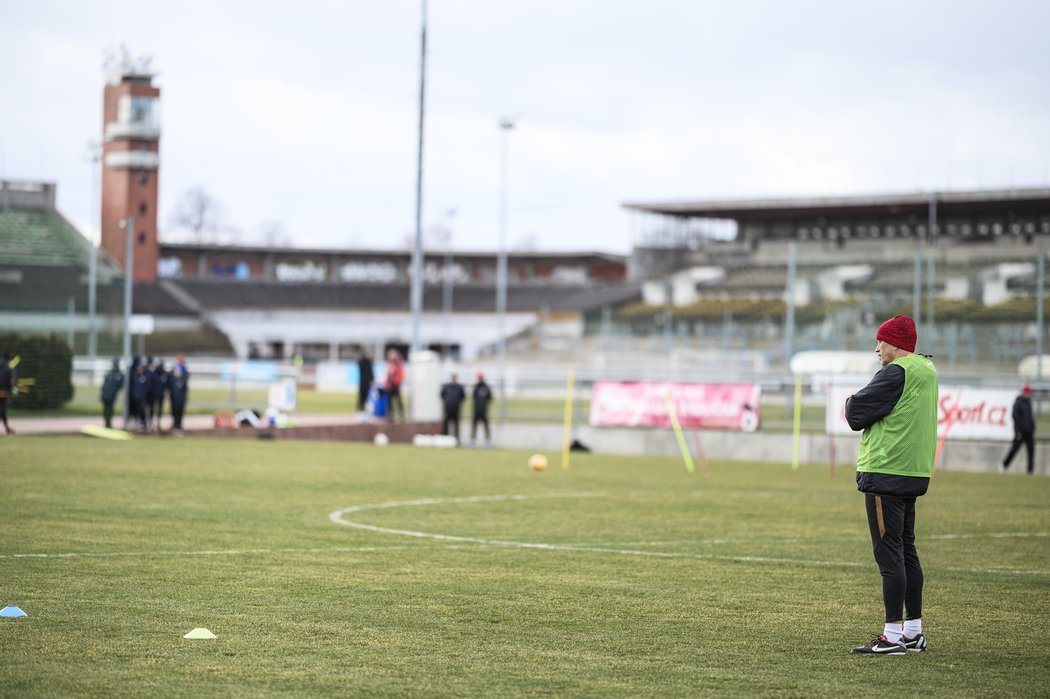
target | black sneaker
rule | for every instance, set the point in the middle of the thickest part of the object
(915, 645)
(881, 646)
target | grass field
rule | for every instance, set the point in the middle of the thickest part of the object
(617, 577)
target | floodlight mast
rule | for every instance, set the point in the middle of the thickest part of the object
(417, 251)
(505, 124)
(129, 269)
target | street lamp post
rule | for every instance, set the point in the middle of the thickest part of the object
(128, 225)
(95, 158)
(505, 125)
(446, 295)
(417, 250)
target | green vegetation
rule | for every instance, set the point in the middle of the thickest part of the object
(45, 364)
(754, 581)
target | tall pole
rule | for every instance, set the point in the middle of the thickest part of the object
(1039, 289)
(446, 292)
(129, 270)
(789, 316)
(916, 289)
(417, 251)
(92, 349)
(505, 125)
(931, 277)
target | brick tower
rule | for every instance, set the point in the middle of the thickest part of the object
(130, 163)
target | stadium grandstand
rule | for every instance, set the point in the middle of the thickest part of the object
(713, 279)
(968, 264)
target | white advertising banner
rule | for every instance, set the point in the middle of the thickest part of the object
(966, 412)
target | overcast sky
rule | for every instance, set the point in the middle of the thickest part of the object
(305, 113)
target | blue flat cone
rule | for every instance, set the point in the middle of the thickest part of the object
(12, 611)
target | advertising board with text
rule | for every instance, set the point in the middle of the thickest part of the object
(973, 413)
(645, 404)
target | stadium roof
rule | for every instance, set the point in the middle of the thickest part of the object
(984, 201)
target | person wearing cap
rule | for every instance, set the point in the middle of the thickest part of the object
(481, 397)
(898, 412)
(1024, 430)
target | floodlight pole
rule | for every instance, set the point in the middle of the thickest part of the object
(446, 295)
(417, 251)
(92, 349)
(505, 125)
(129, 268)
(931, 283)
(1039, 291)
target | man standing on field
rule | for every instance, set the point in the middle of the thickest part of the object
(898, 412)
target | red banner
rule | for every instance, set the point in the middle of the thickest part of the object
(723, 406)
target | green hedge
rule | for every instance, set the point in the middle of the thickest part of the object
(44, 370)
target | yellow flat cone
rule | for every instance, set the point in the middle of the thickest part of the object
(200, 633)
(105, 432)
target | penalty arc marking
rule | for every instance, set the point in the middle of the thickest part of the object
(339, 517)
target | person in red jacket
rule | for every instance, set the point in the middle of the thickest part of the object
(395, 376)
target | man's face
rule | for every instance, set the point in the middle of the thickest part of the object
(886, 352)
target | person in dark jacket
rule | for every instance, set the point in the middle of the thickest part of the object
(112, 385)
(481, 397)
(452, 397)
(898, 412)
(179, 391)
(139, 394)
(1024, 430)
(7, 389)
(365, 378)
(156, 388)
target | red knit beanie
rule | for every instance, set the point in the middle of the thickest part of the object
(898, 331)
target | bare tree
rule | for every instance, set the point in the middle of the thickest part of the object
(199, 214)
(274, 235)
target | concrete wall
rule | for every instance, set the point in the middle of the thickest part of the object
(776, 447)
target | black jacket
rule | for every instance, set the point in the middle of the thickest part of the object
(866, 407)
(1023, 422)
(482, 396)
(452, 396)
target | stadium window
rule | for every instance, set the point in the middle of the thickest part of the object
(142, 238)
(997, 229)
(905, 231)
(983, 229)
(143, 178)
(142, 208)
(891, 231)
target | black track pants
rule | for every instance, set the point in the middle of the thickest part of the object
(892, 524)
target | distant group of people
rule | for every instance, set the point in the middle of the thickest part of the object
(389, 389)
(452, 397)
(150, 383)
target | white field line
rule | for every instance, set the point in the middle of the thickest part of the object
(453, 541)
(338, 517)
(205, 552)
